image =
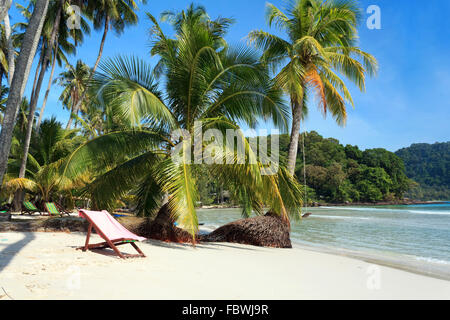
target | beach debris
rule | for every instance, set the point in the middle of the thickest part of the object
(6, 293)
(263, 231)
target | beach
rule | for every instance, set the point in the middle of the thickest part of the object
(48, 266)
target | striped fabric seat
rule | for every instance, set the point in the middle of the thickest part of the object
(29, 208)
(52, 209)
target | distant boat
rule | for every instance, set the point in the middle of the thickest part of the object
(306, 215)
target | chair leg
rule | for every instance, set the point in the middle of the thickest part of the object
(86, 245)
(137, 249)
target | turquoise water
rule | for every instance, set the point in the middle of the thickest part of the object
(418, 232)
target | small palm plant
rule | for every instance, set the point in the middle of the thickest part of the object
(47, 153)
(221, 87)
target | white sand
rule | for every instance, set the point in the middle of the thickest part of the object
(47, 266)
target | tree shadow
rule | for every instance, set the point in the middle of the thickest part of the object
(9, 251)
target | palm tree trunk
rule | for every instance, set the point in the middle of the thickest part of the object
(100, 53)
(50, 80)
(4, 8)
(297, 110)
(22, 71)
(11, 58)
(72, 111)
(34, 101)
(36, 75)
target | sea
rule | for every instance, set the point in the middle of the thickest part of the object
(413, 237)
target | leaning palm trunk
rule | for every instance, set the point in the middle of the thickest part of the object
(50, 80)
(23, 67)
(77, 106)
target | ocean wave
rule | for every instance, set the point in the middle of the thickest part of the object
(339, 217)
(437, 212)
(433, 260)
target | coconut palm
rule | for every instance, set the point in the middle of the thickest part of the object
(320, 44)
(22, 70)
(220, 88)
(74, 81)
(62, 47)
(54, 35)
(193, 16)
(106, 15)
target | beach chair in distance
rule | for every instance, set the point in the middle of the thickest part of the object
(111, 231)
(62, 209)
(30, 208)
(52, 209)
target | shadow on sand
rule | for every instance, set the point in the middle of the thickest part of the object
(8, 251)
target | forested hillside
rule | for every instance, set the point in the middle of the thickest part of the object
(339, 174)
(429, 166)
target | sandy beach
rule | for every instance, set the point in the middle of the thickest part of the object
(47, 266)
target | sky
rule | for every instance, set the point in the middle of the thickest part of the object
(407, 102)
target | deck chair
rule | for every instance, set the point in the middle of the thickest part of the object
(29, 208)
(111, 231)
(62, 209)
(52, 209)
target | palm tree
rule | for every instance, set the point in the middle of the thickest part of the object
(23, 67)
(63, 45)
(74, 81)
(193, 16)
(50, 36)
(220, 88)
(106, 15)
(321, 42)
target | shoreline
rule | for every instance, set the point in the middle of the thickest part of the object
(353, 204)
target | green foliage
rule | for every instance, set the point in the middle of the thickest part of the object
(341, 174)
(429, 166)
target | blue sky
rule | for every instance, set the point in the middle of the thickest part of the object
(407, 102)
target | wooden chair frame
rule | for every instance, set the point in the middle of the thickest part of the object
(61, 209)
(108, 243)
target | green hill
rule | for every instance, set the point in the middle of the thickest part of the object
(429, 166)
(339, 174)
